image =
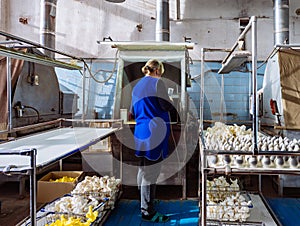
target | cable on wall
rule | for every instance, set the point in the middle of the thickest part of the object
(93, 76)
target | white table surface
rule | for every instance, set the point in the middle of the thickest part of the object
(52, 145)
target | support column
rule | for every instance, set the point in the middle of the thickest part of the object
(162, 21)
(281, 22)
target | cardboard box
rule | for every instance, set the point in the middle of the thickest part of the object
(48, 191)
(101, 146)
(97, 161)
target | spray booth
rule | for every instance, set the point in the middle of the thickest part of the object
(132, 57)
(280, 100)
(281, 90)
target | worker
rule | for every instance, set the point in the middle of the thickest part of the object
(150, 108)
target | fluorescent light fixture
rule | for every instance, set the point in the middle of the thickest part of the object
(235, 60)
(115, 1)
(36, 59)
(149, 45)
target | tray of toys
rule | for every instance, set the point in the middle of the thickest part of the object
(226, 202)
(85, 205)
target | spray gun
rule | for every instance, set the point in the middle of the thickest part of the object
(19, 109)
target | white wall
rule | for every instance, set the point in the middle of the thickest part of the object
(3, 15)
(28, 9)
(210, 23)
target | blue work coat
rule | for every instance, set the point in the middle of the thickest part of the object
(150, 108)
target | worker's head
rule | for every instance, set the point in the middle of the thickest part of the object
(153, 66)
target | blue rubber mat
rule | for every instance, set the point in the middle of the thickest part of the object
(181, 212)
(287, 210)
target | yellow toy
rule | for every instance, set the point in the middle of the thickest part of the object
(75, 221)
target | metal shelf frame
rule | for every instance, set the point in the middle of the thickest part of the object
(204, 169)
(29, 170)
(252, 25)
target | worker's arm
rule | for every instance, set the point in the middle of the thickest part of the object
(164, 100)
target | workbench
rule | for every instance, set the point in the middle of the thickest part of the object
(51, 146)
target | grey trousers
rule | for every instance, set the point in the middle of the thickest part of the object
(148, 173)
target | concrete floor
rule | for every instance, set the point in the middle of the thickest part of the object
(14, 209)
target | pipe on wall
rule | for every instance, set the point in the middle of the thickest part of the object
(47, 25)
(178, 11)
(281, 21)
(162, 21)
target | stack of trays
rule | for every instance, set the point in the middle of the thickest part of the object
(251, 161)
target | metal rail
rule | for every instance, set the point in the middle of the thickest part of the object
(34, 126)
(37, 45)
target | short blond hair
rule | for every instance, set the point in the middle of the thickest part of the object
(152, 65)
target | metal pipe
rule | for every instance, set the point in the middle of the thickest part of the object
(201, 91)
(203, 186)
(178, 11)
(222, 99)
(119, 88)
(248, 171)
(83, 91)
(202, 157)
(37, 45)
(47, 29)
(281, 21)
(8, 93)
(33, 187)
(254, 84)
(265, 153)
(162, 21)
(8, 42)
(287, 46)
(183, 91)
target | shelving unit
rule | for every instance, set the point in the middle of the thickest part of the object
(230, 167)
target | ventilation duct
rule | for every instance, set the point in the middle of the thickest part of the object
(281, 21)
(48, 16)
(162, 21)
